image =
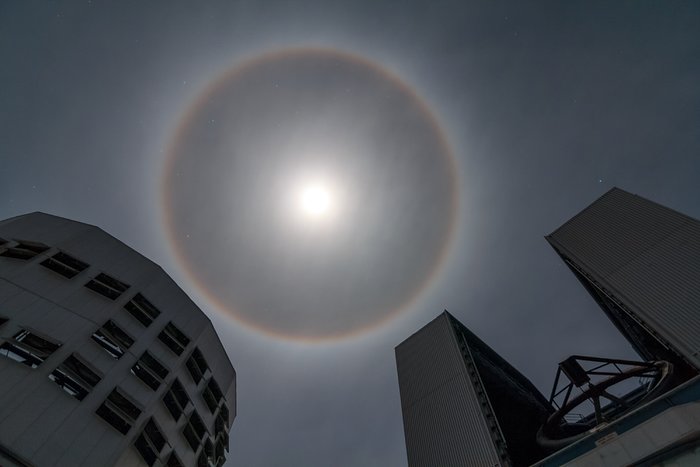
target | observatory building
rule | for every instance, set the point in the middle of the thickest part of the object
(464, 406)
(103, 359)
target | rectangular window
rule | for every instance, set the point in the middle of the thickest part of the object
(65, 265)
(142, 309)
(149, 370)
(223, 439)
(28, 348)
(146, 450)
(113, 339)
(194, 430)
(173, 461)
(175, 339)
(3, 320)
(209, 399)
(119, 411)
(150, 442)
(209, 448)
(223, 413)
(176, 400)
(220, 425)
(220, 455)
(107, 286)
(202, 460)
(24, 250)
(75, 377)
(197, 365)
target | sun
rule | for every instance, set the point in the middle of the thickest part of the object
(315, 200)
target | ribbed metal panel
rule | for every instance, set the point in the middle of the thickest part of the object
(444, 424)
(647, 256)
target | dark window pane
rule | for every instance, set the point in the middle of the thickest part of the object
(173, 461)
(154, 365)
(142, 309)
(176, 334)
(219, 424)
(124, 404)
(24, 250)
(113, 418)
(172, 405)
(145, 450)
(74, 377)
(202, 460)
(154, 435)
(3, 320)
(180, 393)
(214, 388)
(35, 342)
(209, 399)
(174, 338)
(199, 359)
(110, 281)
(146, 306)
(145, 376)
(138, 313)
(220, 450)
(107, 286)
(170, 342)
(65, 265)
(113, 339)
(36, 247)
(81, 370)
(122, 337)
(69, 384)
(194, 371)
(198, 424)
(28, 348)
(224, 413)
(191, 436)
(20, 355)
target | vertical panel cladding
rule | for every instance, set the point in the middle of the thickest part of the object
(443, 419)
(47, 425)
(616, 229)
(647, 256)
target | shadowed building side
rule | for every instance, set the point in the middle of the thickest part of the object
(462, 404)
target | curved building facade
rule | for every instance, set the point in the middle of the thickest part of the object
(104, 360)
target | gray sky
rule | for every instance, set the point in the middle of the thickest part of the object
(546, 106)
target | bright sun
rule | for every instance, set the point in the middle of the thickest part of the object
(315, 200)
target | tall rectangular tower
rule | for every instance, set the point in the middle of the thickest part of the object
(462, 404)
(641, 263)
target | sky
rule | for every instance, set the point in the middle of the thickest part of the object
(544, 106)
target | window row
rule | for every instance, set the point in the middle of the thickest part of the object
(31, 349)
(115, 341)
(68, 266)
